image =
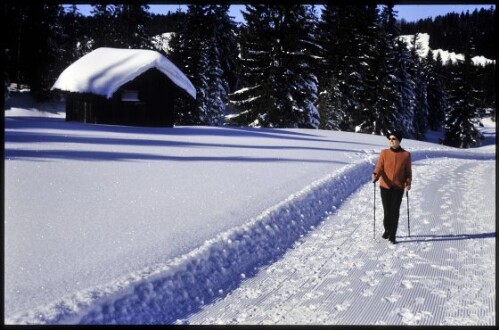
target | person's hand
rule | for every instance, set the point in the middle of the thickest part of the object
(374, 178)
(407, 187)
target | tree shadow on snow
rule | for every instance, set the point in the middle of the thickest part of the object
(439, 238)
(25, 130)
(55, 124)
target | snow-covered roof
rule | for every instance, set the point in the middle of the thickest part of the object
(104, 70)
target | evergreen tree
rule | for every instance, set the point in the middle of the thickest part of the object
(330, 97)
(420, 109)
(369, 50)
(329, 105)
(121, 26)
(409, 87)
(437, 97)
(347, 40)
(277, 55)
(347, 70)
(188, 52)
(203, 49)
(255, 99)
(387, 107)
(225, 38)
(132, 22)
(461, 115)
(74, 42)
(31, 45)
(103, 26)
(446, 31)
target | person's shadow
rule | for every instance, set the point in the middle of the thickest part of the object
(437, 238)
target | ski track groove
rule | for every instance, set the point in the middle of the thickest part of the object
(348, 278)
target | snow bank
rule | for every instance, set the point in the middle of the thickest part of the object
(164, 293)
(19, 103)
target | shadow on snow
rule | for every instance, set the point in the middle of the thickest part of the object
(439, 238)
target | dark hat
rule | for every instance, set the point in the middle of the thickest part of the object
(397, 134)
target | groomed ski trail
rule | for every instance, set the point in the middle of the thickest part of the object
(443, 274)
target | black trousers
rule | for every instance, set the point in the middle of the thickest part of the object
(391, 199)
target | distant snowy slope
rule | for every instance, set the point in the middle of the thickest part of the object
(423, 46)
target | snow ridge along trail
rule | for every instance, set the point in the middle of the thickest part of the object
(169, 293)
(443, 274)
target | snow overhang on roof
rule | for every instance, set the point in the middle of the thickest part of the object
(104, 70)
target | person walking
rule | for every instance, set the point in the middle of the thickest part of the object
(394, 170)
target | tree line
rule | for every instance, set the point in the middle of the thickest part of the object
(343, 68)
(447, 31)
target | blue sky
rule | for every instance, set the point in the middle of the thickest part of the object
(407, 12)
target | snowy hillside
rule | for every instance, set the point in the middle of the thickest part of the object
(423, 46)
(131, 225)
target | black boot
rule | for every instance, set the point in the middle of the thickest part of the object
(385, 235)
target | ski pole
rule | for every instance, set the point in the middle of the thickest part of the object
(408, 222)
(374, 222)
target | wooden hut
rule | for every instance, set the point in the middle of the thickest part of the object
(123, 87)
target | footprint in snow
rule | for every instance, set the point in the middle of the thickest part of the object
(439, 293)
(408, 266)
(407, 284)
(419, 301)
(367, 292)
(342, 307)
(410, 318)
(393, 298)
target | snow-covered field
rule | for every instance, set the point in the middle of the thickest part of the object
(110, 224)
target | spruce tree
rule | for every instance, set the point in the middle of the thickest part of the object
(225, 33)
(348, 69)
(189, 54)
(215, 88)
(120, 26)
(461, 116)
(437, 96)
(410, 82)
(277, 55)
(103, 28)
(369, 50)
(419, 123)
(132, 23)
(330, 106)
(33, 32)
(253, 100)
(347, 40)
(387, 107)
(203, 49)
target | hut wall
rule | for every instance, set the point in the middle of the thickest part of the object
(87, 108)
(156, 95)
(154, 107)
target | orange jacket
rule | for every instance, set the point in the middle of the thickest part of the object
(394, 168)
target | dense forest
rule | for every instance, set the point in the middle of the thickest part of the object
(447, 31)
(340, 68)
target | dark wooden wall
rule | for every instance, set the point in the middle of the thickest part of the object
(155, 107)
